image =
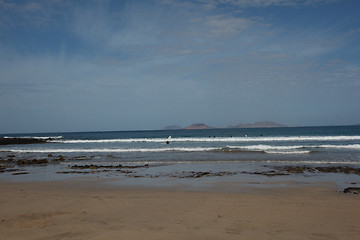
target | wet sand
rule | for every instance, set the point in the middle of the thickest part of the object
(91, 209)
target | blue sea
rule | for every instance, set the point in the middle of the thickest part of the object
(216, 150)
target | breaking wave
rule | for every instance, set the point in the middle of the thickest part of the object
(99, 150)
(209, 139)
(51, 138)
(259, 148)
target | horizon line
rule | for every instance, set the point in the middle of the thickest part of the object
(144, 130)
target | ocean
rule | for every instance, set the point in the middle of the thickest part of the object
(172, 152)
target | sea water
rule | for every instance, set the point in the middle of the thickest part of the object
(208, 149)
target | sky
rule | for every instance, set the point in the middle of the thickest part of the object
(101, 65)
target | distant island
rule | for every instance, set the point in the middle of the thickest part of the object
(264, 124)
(198, 126)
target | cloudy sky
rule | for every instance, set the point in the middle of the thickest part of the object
(126, 65)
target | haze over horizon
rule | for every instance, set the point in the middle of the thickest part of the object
(106, 65)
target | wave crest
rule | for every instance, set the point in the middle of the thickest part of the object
(209, 139)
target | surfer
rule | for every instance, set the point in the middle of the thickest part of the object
(168, 142)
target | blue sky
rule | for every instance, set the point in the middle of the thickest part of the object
(127, 65)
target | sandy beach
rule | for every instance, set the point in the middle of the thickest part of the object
(89, 209)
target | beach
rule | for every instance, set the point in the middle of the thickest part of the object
(288, 183)
(94, 209)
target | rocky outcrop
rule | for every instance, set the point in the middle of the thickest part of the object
(10, 141)
(92, 166)
(326, 169)
(22, 162)
(353, 190)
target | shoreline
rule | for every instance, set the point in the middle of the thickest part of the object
(194, 176)
(92, 209)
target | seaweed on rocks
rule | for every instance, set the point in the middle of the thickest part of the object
(20, 173)
(8, 160)
(325, 169)
(69, 172)
(339, 169)
(22, 162)
(92, 166)
(199, 174)
(270, 173)
(353, 190)
(5, 168)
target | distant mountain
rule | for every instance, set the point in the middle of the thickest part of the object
(172, 127)
(198, 126)
(264, 124)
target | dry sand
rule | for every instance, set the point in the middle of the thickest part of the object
(92, 210)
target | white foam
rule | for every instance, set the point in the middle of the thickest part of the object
(35, 137)
(296, 149)
(285, 148)
(266, 147)
(350, 146)
(309, 162)
(211, 139)
(99, 150)
(288, 152)
(170, 162)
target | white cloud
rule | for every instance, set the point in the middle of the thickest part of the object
(32, 6)
(221, 25)
(92, 25)
(212, 4)
(37, 14)
(266, 3)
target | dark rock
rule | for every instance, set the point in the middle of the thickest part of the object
(20, 173)
(353, 190)
(8, 169)
(124, 171)
(326, 169)
(6, 160)
(69, 172)
(30, 162)
(192, 174)
(200, 174)
(296, 169)
(81, 158)
(270, 173)
(339, 169)
(92, 166)
(10, 141)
